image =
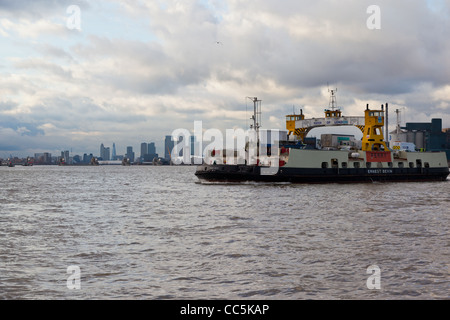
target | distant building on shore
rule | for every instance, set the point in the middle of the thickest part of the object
(43, 158)
(130, 154)
(168, 147)
(104, 153)
(426, 136)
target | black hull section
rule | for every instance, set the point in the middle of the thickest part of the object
(237, 173)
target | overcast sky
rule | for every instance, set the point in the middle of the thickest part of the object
(136, 70)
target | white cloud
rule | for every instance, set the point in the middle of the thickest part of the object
(441, 94)
(29, 29)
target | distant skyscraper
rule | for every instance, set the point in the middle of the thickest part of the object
(151, 148)
(114, 156)
(168, 147)
(130, 154)
(144, 149)
(150, 153)
(87, 158)
(105, 153)
(43, 158)
(65, 155)
(102, 151)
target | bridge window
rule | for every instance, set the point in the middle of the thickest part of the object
(356, 164)
(419, 163)
(368, 164)
(324, 165)
(427, 165)
(293, 118)
(334, 163)
(401, 164)
(411, 164)
(344, 164)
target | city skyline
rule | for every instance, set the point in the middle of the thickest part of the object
(78, 73)
(107, 152)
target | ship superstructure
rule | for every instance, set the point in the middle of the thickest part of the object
(371, 161)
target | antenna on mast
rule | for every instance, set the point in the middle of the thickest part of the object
(398, 121)
(333, 101)
(256, 117)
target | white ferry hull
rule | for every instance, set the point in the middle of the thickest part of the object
(316, 166)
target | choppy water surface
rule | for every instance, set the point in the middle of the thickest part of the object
(156, 233)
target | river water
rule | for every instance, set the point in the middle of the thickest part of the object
(144, 232)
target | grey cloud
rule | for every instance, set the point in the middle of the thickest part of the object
(53, 51)
(143, 68)
(38, 8)
(22, 128)
(410, 48)
(7, 105)
(42, 65)
(72, 113)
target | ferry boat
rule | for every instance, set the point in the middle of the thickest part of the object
(372, 161)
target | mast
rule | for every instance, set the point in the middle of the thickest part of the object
(386, 120)
(256, 114)
(256, 117)
(333, 101)
(333, 109)
(398, 122)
